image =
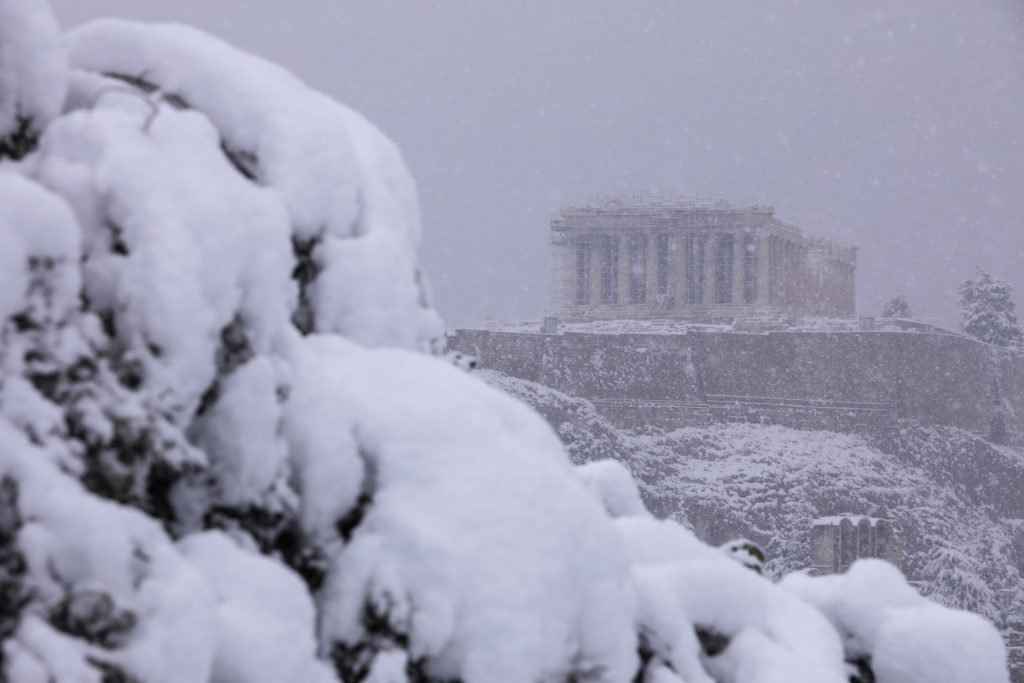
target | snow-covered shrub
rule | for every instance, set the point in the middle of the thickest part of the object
(888, 627)
(989, 313)
(226, 451)
(352, 208)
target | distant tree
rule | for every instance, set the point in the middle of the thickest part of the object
(954, 579)
(989, 313)
(896, 307)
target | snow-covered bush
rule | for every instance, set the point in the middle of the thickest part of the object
(989, 313)
(887, 625)
(227, 452)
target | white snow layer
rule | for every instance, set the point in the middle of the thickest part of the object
(457, 537)
(343, 182)
(33, 65)
(477, 525)
(905, 636)
(686, 587)
(613, 485)
(76, 546)
(146, 201)
(37, 233)
(264, 613)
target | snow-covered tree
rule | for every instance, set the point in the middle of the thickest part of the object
(954, 578)
(229, 453)
(989, 313)
(896, 307)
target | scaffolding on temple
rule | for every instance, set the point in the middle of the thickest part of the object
(662, 255)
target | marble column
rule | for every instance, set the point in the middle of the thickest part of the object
(623, 283)
(709, 268)
(572, 274)
(595, 271)
(679, 270)
(652, 268)
(739, 242)
(763, 264)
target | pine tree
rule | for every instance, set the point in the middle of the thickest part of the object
(989, 313)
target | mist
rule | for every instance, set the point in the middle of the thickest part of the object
(896, 128)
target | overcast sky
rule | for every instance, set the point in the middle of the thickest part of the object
(898, 126)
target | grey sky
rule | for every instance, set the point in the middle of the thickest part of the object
(893, 125)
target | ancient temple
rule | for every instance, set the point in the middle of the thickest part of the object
(690, 259)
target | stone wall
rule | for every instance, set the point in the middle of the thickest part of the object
(836, 542)
(845, 381)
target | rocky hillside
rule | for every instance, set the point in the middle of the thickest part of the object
(954, 496)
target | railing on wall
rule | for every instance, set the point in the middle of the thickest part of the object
(856, 416)
(813, 403)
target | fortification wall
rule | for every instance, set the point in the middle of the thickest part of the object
(588, 365)
(827, 380)
(1010, 394)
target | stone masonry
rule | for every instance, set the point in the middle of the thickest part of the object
(675, 258)
(836, 542)
(842, 381)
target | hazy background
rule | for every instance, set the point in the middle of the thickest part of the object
(893, 125)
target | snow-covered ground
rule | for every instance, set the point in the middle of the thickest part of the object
(229, 453)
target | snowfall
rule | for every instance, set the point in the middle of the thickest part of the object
(231, 450)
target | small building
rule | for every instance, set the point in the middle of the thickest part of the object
(691, 259)
(837, 542)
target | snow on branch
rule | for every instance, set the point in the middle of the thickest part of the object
(33, 74)
(344, 184)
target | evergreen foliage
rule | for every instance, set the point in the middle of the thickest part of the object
(20, 141)
(989, 314)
